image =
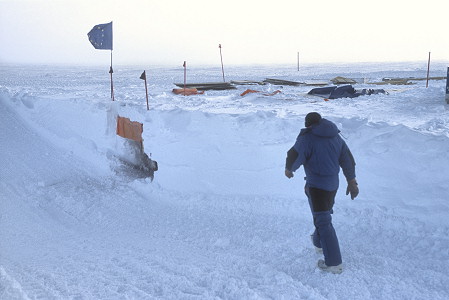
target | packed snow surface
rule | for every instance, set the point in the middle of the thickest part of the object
(220, 220)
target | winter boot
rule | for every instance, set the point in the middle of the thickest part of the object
(331, 269)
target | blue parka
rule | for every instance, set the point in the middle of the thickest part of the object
(322, 151)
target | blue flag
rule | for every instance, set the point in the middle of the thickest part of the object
(101, 36)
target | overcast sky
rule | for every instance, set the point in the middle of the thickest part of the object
(167, 32)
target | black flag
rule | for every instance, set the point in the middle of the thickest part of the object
(143, 76)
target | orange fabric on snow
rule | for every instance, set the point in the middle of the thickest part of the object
(187, 92)
(265, 94)
(129, 129)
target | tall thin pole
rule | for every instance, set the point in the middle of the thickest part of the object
(144, 77)
(447, 86)
(428, 71)
(298, 61)
(221, 58)
(112, 84)
(146, 92)
(185, 75)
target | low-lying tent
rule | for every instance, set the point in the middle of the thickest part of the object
(346, 91)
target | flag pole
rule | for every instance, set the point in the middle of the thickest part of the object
(428, 71)
(447, 86)
(184, 65)
(112, 84)
(100, 36)
(298, 61)
(222, 69)
(146, 88)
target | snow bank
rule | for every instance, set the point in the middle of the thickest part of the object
(220, 220)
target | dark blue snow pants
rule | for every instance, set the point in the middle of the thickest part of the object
(321, 203)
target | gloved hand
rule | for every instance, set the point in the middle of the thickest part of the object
(288, 173)
(352, 188)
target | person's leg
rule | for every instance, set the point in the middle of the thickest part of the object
(321, 203)
(328, 238)
(315, 235)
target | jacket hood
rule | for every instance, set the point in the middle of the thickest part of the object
(325, 128)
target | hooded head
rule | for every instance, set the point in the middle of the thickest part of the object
(312, 118)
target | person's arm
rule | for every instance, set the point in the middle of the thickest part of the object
(292, 155)
(347, 163)
(296, 156)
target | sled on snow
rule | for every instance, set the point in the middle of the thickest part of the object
(343, 80)
(247, 82)
(207, 86)
(282, 82)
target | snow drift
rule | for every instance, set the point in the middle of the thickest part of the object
(219, 220)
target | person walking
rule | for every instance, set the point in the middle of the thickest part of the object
(322, 152)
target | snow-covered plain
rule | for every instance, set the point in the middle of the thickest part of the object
(220, 220)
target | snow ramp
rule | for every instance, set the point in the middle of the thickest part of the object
(71, 228)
